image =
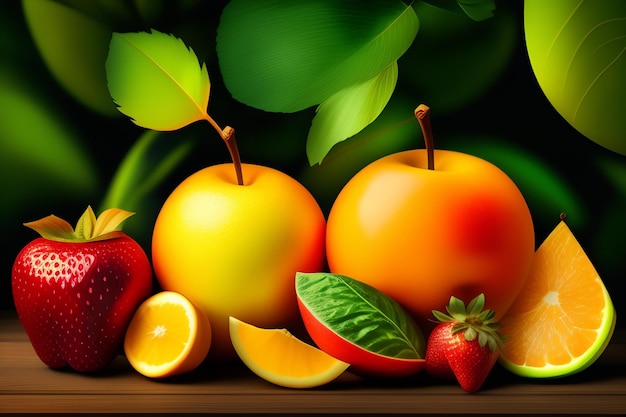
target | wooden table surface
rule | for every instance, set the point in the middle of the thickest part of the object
(28, 386)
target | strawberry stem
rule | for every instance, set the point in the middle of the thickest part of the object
(422, 113)
(89, 228)
(473, 321)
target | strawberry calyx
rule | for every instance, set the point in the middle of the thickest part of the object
(473, 321)
(89, 228)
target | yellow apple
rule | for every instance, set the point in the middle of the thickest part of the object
(234, 249)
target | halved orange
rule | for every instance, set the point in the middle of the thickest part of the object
(564, 318)
(168, 335)
(281, 358)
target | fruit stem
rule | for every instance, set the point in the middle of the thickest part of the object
(422, 113)
(228, 136)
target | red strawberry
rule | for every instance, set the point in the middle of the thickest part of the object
(465, 345)
(75, 290)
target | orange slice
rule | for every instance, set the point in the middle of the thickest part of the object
(282, 359)
(564, 318)
(167, 336)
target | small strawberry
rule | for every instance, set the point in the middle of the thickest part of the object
(465, 344)
(75, 291)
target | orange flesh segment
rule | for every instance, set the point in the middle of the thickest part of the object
(281, 358)
(167, 336)
(562, 308)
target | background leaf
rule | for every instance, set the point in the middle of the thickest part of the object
(578, 54)
(74, 47)
(475, 9)
(42, 153)
(476, 55)
(148, 164)
(348, 111)
(361, 314)
(156, 80)
(288, 56)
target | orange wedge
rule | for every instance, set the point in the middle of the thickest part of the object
(282, 359)
(564, 318)
(167, 336)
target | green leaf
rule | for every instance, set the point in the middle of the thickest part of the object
(476, 305)
(149, 162)
(348, 111)
(577, 50)
(156, 80)
(478, 9)
(288, 56)
(73, 47)
(361, 314)
(393, 131)
(475, 9)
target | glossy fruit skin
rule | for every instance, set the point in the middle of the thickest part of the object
(450, 356)
(75, 300)
(423, 235)
(234, 250)
(362, 362)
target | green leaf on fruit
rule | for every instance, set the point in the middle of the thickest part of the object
(289, 56)
(348, 111)
(156, 80)
(361, 314)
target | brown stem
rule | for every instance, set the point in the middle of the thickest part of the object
(422, 112)
(231, 144)
(228, 135)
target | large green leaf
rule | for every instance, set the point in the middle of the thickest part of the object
(288, 56)
(577, 50)
(348, 111)
(156, 80)
(360, 314)
(73, 46)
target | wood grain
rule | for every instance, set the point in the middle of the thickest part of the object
(28, 386)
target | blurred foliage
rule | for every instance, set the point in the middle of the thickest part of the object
(63, 145)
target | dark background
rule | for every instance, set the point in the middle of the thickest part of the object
(501, 114)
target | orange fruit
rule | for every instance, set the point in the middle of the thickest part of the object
(282, 359)
(168, 335)
(422, 235)
(233, 250)
(564, 318)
